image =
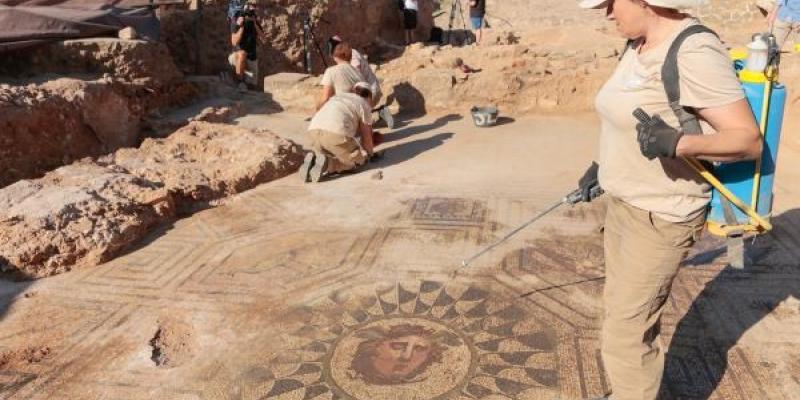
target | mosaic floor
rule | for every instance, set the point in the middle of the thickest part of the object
(346, 290)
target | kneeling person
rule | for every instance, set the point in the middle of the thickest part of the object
(341, 134)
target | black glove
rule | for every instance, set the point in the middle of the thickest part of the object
(656, 137)
(588, 186)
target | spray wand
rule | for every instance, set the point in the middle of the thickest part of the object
(572, 198)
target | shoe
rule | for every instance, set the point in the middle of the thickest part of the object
(321, 163)
(376, 156)
(305, 169)
(386, 116)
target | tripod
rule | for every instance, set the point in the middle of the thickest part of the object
(308, 39)
(455, 6)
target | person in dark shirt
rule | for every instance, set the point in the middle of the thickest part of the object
(477, 11)
(244, 39)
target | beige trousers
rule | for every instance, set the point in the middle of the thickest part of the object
(343, 152)
(642, 253)
(782, 30)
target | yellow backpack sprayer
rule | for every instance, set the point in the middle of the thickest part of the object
(741, 202)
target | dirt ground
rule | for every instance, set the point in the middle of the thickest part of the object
(288, 291)
(353, 288)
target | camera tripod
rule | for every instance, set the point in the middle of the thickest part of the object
(308, 39)
(455, 6)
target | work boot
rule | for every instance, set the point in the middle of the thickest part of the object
(386, 116)
(377, 156)
(305, 169)
(320, 165)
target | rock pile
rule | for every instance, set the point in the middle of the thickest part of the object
(87, 212)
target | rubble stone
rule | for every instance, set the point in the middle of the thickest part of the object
(61, 121)
(81, 214)
(88, 212)
(203, 161)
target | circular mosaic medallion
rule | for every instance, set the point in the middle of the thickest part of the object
(412, 341)
(408, 358)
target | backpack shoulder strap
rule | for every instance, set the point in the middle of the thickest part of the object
(670, 76)
(628, 45)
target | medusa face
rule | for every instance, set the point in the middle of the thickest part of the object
(399, 354)
(398, 358)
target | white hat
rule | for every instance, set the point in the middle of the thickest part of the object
(363, 85)
(676, 4)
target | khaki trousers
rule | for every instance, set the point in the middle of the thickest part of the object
(343, 152)
(642, 253)
(782, 30)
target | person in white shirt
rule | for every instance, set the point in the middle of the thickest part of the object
(361, 64)
(341, 135)
(339, 78)
(410, 9)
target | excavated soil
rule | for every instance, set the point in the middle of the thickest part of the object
(174, 343)
(137, 61)
(205, 161)
(82, 214)
(61, 121)
(81, 98)
(85, 213)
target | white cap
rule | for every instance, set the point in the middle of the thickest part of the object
(592, 3)
(676, 4)
(363, 85)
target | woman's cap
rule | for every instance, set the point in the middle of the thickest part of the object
(362, 85)
(676, 4)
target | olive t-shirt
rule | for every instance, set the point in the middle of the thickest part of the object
(342, 114)
(342, 77)
(667, 187)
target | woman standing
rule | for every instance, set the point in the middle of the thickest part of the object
(657, 203)
(477, 12)
(410, 10)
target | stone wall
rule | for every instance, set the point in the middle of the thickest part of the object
(145, 62)
(200, 41)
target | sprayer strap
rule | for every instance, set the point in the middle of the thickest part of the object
(628, 45)
(671, 78)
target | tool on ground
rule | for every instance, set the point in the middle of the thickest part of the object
(573, 197)
(741, 201)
